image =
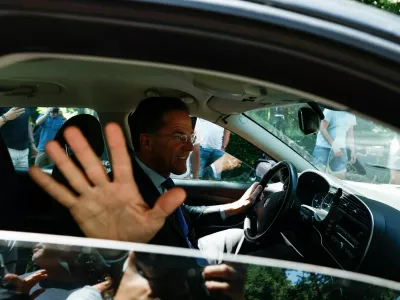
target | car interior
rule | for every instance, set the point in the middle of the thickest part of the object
(357, 228)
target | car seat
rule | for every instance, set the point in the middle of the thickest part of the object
(91, 129)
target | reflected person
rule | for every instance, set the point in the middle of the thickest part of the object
(227, 280)
(62, 272)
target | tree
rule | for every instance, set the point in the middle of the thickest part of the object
(267, 283)
(392, 6)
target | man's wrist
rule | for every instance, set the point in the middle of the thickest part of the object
(234, 209)
(4, 118)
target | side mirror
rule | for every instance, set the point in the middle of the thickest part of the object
(309, 120)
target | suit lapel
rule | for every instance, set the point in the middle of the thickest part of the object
(150, 194)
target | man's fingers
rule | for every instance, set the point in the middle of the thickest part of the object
(167, 204)
(223, 271)
(251, 189)
(33, 279)
(216, 286)
(104, 286)
(13, 279)
(120, 161)
(52, 187)
(92, 165)
(67, 167)
(256, 193)
(37, 274)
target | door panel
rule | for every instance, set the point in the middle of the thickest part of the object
(205, 192)
(208, 192)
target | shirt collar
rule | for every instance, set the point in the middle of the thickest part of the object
(156, 178)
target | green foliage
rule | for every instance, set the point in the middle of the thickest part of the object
(274, 283)
(392, 6)
(243, 150)
(267, 283)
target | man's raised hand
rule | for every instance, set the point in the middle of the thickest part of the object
(104, 208)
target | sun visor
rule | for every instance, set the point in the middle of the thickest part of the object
(234, 97)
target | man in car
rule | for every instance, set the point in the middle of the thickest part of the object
(162, 136)
(50, 123)
(161, 131)
(114, 208)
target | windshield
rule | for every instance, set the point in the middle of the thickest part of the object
(50, 269)
(348, 146)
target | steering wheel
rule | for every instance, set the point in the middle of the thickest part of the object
(269, 211)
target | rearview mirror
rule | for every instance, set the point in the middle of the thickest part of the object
(308, 120)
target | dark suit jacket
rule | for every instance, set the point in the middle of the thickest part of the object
(171, 234)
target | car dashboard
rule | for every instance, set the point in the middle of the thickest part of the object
(348, 230)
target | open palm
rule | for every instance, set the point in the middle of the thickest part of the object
(104, 208)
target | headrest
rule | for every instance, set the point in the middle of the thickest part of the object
(91, 129)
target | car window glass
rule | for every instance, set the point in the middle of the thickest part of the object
(26, 131)
(221, 155)
(59, 270)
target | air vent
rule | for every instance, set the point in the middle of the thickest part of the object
(355, 208)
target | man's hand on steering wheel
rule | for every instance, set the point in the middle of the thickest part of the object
(271, 209)
(245, 202)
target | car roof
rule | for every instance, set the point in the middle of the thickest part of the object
(117, 86)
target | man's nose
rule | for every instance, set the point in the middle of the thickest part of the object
(188, 146)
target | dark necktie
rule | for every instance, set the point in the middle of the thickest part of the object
(168, 184)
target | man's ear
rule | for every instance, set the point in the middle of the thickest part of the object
(145, 141)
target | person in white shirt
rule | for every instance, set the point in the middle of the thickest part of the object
(213, 140)
(394, 160)
(334, 136)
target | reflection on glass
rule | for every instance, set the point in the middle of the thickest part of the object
(53, 271)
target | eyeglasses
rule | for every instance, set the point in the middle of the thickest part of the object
(183, 138)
